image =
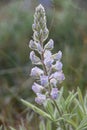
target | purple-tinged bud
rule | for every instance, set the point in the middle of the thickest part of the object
(36, 36)
(36, 72)
(53, 82)
(40, 98)
(57, 56)
(37, 88)
(58, 66)
(35, 46)
(34, 27)
(49, 45)
(32, 45)
(40, 8)
(54, 93)
(39, 48)
(34, 58)
(44, 80)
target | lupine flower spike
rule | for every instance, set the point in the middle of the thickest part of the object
(48, 67)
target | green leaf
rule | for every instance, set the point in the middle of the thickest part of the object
(70, 99)
(79, 110)
(48, 126)
(36, 109)
(71, 122)
(83, 124)
(42, 125)
(48, 106)
(81, 98)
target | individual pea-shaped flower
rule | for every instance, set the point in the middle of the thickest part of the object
(40, 98)
(32, 45)
(34, 58)
(44, 80)
(59, 76)
(49, 45)
(54, 93)
(37, 88)
(58, 66)
(47, 53)
(36, 72)
(48, 62)
(53, 82)
(48, 59)
(57, 56)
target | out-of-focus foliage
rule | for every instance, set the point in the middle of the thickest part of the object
(70, 28)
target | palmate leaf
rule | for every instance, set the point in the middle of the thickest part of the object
(36, 109)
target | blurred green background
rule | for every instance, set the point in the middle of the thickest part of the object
(67, 23)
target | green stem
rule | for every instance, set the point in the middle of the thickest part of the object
(62, 123)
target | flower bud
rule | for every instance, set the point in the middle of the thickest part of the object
(49, 45)
(34, 58)
(58, 66)
(57, 56)
(32, 45)
(39, 48)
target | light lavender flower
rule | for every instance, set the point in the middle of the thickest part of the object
(40, 98)
(53, 82)
(39, 48)
(49, 45)
(59, 76)
(48, 62)
(54, 93)
(35, 46)
(48, 59)
(32, 45)
(58, 66)
(37, 88)
(34, 58)
(36, 72)
(57, 56)
(44, 80)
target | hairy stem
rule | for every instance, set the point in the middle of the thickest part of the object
(62, 123)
